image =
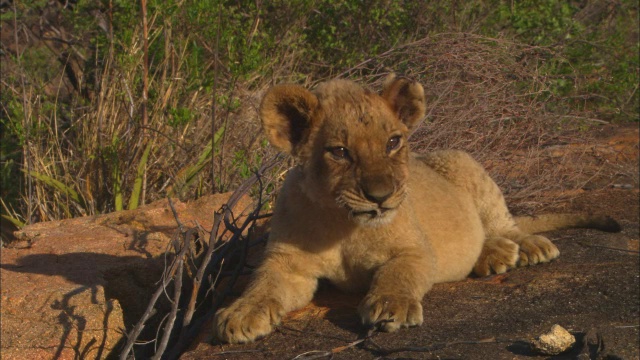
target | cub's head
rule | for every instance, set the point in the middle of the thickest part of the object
(350, 142)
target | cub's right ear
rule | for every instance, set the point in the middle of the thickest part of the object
(286, 112)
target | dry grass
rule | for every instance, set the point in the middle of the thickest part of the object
(92, 143)
(484, 96)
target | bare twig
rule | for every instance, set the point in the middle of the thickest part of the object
(608, 247)
(175, 214)
(434, 347)
(218, 250)
(145, 87)
(374, 330)
(174, 309)
(176, 266)
(231, 352)
(214, 93)
(318, 354)
(26, 122)
(189, 332)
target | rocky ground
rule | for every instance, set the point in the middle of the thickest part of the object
(68, 288)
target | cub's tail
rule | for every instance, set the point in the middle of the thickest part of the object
(548, 222)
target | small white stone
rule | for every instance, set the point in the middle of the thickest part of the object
(554, 342)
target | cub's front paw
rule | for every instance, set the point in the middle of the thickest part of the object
(537, 249)
(404, 310)
(244, 321)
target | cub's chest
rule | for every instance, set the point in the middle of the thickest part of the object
(356, 260)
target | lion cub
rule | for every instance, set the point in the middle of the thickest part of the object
(365, 213)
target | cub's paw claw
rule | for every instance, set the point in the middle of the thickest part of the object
(245, 321)
(498, 256)
(536, 249)
(391, 312)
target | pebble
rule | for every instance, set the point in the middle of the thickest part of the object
(554, 342)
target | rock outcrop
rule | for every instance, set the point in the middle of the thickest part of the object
(70, 288)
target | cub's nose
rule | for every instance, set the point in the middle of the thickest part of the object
(378, 199)
(377, 189)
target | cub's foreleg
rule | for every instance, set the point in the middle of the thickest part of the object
(278, 286)
(396, 292)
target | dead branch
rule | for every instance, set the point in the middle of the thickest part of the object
(608, 247)
(231, 352)
(434, 347)
(174, 309)
(375, 330)
(185, 303)
(318, 354)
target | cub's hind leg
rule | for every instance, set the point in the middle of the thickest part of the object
(534, 249)
(498, 256)
(499, 225)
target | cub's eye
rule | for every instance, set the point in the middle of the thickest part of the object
(339, 152)
(393, 143)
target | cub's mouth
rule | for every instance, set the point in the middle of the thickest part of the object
(365, 212)
(371, 213)
(372, 216)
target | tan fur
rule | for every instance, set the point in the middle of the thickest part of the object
(363, 212)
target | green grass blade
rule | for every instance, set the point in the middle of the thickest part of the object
(58, 185)
(186, 177)
(117, 190)
(134, 200)
(19, 224)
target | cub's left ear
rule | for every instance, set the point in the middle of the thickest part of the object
(406, 98)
